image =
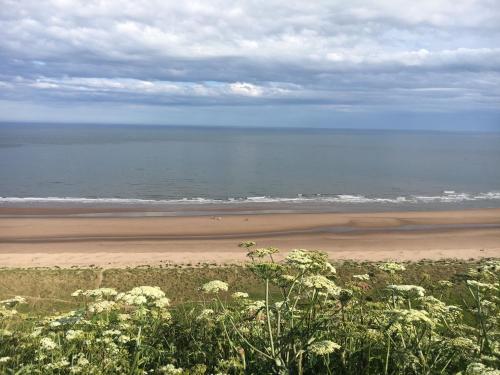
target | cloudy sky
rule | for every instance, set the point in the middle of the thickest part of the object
(359, 63)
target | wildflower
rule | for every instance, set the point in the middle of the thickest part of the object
(476, 368)
(123, 317)
(247, 244)
(407, 290)
(238, 295)
(329, 269)
(151, 292)
(47, 343)
(320, 282)
(481, 286)
(261, 253)
(131, 299)
(462, 343)
(323, 347)
(74, 335)
(391, 267)
(171, 370)
(101, 306)
(398, 316)
(4, 359)
(305, 259)
(77, 293)
(214, 287)
(100, 293)
(363, 277)
(162, 302)
(58, 364)
(123, 339)
(256, 306)
(37, 331)
(205, 314)
(445, 283)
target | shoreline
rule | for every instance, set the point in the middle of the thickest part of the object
(120, 241)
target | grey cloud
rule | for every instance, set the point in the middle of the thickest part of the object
(361, 55)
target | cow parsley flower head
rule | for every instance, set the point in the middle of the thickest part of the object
(171, 370)
(391, 267)
(214, 286)
(100, 293)
(150, 292)
(72, 335)
(323, 347)
(101, 306)
(477, 368)
(261, 253)
(408, 291)
(205, 314)
(411, 316)
(305, 259)
(4, 359)
(445, 283)
(47, 343)
(77, 293)
(320, 282)
(481, 286)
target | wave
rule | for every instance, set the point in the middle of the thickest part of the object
(448, 196)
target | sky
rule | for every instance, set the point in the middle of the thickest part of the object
(358, 63)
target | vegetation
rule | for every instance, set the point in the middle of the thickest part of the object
(307, 319)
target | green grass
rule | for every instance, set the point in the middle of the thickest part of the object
(48, 290)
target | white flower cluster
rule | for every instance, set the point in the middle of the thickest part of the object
(321, 283)
(205, 314)
(410, 316)
(171, 370)
(75, 334)
(445, 283)
(479, 369)
(409, 291)
(305, 259)
(101, 306)
(144, 295)
(99, 293)
(214, 286)
(261, 253)
(47, 343)
(391, 267)
(481, 286)
(323, 347)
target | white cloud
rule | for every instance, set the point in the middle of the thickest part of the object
(247, 89)
(358, 54)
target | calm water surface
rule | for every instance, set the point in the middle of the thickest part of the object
(338, 167)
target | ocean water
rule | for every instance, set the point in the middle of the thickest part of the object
(152, 165)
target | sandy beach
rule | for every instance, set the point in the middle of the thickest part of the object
(131, 241)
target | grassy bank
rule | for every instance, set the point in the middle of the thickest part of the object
(302, 316)
(48, 290)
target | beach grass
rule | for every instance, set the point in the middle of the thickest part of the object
(47, 290)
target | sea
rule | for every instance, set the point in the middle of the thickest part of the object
(169, 168)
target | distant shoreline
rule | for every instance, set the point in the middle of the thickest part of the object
(123, 241)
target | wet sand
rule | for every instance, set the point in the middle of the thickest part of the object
(55, 239)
